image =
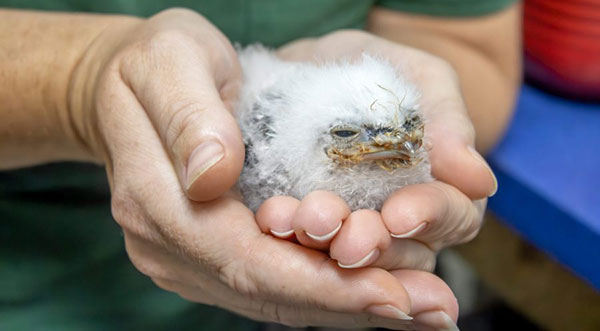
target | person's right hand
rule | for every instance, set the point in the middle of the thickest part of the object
(152, 99)
(416, 221)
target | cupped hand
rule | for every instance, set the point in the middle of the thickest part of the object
(154, 97)
(417, 220)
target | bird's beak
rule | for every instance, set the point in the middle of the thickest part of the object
(389, 151)
(389, 147)
(409, 146)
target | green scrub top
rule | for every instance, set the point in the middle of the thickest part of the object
(63, 264)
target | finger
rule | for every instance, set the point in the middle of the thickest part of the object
(176, 83)
(308, 277)
(451, 136)
(435, 213)
(275, 216)
(281, 313)
(406, 254)
(433, 303)
(361, 240)
(319, 218)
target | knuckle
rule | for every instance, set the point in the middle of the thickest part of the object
(472, 224)
(124, 208)
(184, 115)
(157, 48)
(463, 215)
(418, 256)
(428, 264)
(130, 215)
(373, 282)
(165, 38)
(475, 225)
(161, 47)
(470, 235)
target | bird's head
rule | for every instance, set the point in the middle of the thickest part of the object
(389, 145)
(365, 112)
(358, 114)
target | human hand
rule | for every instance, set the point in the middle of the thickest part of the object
(164, 89)
(433, 215)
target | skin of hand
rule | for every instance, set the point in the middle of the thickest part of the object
(417, 220)
(151, 100)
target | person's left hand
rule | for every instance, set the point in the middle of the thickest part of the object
(421, 219)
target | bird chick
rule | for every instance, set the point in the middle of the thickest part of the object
(352, 128)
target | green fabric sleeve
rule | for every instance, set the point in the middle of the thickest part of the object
(453, 8)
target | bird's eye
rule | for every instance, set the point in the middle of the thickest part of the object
(344, 132)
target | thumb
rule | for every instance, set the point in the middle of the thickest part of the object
(206, 147)
(186, 106)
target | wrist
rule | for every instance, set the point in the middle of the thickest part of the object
(42, 54)
(82, 128)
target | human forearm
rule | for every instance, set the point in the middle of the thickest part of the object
(39, 52)
(485, 52)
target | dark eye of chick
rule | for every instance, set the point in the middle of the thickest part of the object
(345, 133)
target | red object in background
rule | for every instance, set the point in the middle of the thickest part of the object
(562, 46)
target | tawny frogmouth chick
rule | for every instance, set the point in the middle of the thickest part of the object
(351, 127)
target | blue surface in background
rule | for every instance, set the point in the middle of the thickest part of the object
(548, 174)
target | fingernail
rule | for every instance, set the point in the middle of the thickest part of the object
(203, 158)
(283, 235)
(438, 320)
(369, 258)
(482, 160)
(410, 233)
(388, 311)
(326, 236)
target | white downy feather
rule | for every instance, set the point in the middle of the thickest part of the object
(286, 111)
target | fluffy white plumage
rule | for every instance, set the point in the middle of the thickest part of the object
(287, 111)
